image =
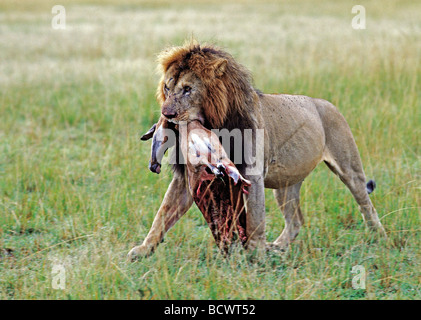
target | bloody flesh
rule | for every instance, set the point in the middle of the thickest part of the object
(221, 202)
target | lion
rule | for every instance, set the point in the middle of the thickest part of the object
(205, 83)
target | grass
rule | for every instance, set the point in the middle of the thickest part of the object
(74, 185)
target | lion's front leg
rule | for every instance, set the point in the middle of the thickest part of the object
(177, 201)
(255, 208)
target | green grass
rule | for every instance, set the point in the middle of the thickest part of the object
(74, 185)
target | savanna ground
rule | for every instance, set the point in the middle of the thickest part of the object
(75, 190)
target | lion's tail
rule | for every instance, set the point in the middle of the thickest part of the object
(371, 185)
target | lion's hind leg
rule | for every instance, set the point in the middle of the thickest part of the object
(351, 173)
(342, 157)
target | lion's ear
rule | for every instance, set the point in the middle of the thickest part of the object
(220, 67)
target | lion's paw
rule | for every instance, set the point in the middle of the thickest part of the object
(138, 252)
(276, 248)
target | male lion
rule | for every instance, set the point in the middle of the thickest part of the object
(205, 83)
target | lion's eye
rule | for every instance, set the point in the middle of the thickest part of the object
(166, 88)
(186, 90)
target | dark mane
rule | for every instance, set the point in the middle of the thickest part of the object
(231, 98)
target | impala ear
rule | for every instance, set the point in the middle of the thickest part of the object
(220, 67)
(148, 134)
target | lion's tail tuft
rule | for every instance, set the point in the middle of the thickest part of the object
(371, 185)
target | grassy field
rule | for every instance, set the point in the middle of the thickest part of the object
(75, 190)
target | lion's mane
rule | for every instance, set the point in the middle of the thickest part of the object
(230, 98)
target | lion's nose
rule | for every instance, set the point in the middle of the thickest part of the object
(169, 114)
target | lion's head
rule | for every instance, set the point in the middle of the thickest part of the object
(203, 83)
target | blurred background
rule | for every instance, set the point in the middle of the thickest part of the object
(74, 183)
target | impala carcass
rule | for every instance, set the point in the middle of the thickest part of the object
(216, 185)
